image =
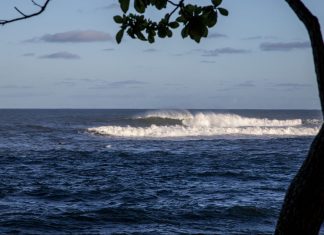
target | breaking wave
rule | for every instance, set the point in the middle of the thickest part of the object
(163, 124)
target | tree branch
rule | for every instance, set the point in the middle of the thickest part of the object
(314, 30)
(36, 4)
(176, 7)
(26, 16)
(303, 208)
(172, 3)
(20, 12)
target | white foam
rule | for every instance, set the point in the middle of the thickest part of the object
(209, 124)
(233, 120)
(154, 131)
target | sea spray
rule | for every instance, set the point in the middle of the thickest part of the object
(208, 124)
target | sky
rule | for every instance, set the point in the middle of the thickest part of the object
(256, 58)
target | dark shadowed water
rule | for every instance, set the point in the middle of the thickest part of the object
(148, 172)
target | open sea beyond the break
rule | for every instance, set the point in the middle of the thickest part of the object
(148, 171)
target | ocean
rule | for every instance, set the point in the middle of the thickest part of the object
(148, 171)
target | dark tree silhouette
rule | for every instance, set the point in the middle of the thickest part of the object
(303, 208)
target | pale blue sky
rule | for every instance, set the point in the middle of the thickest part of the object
(258, 57)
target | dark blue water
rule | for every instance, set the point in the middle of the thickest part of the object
(58, 177)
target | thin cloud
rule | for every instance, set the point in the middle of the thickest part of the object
(76, 81)
(127, 83)
(251, 38)
(85, 80)
(25, 94)
(193, 51)
(120, 84)
(217, 35)
(225, 50)
(15, 87)
(76, 36)
(109, 49)
(174, 85)
(61, 55)
(246, 84)
(292, 85)
(283, 46)
(207, 62)
(150, 50)
(242, 85)
(28, 54)
(65, 83)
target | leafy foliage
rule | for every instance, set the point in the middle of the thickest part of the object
(195, 20)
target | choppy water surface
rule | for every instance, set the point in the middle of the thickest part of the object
(148, 172)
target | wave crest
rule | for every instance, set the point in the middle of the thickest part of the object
(186, 124)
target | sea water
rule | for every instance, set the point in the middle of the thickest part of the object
(148, 171)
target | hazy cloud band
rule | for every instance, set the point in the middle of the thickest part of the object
(76, 36)
(283, 46)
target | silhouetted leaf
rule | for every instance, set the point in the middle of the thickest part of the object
(211, 18)
(216, 3)
(150, 38)
(190, 8)
(169, 33)
(130, 32)
(184, 32)
(159, 4)
(139, 6)
(174, 25)
(124, 5)
(140, 36)
(181, 19)
(162, 32)
(119, 35)
(223, 11)
(118, 19)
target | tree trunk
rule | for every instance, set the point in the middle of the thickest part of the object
(303, 208)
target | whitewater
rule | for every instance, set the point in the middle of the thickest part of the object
(183, 123)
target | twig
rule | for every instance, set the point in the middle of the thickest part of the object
(20, 12)
(25, 16)
(176, 7)
(36, 4)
